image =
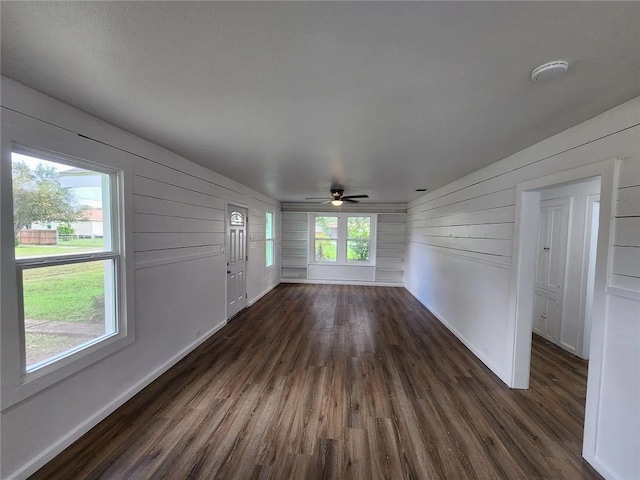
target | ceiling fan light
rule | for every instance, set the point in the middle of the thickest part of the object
(336, 203)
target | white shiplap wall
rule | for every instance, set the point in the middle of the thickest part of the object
(625, 272)
(390, 244)
(459, 264)
(618, 418)
(180, 276)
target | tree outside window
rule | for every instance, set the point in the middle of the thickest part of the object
(358, 238)
(38, 197)
(342, 239)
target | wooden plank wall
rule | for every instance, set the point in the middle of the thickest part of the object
(179, 213)
(390, 247)
(625, 271)
(477, 219)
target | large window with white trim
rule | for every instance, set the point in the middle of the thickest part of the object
(67, 255)
(67, 297)
(342, 239)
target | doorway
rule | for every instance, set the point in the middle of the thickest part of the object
(567, 239)
(236, 244)
(521, 307)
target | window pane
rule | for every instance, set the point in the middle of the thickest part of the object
(326, 227)
(359, 227)
(269, 225)
(358, 250)
(269, 253)
(326, 250)
(236, 219)
(58, 209)
(65, 307)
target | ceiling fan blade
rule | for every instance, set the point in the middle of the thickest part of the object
(349, 200)
(316, 198)
(326, 201)
(354, 196)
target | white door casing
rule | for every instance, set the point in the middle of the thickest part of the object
(236, 244)
(591, 244)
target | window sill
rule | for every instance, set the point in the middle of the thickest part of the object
(19, 389)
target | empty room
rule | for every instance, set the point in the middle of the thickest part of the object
(319, 240)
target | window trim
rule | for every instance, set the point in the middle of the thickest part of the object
(20, 134)
(268, 239)
(342, 239)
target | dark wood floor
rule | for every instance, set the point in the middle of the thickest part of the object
(340, 382)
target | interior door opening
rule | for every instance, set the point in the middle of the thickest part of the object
(565, 264)
(564, 273)
(522, 298)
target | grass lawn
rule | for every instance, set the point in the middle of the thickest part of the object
(76, 245)
(65, 292)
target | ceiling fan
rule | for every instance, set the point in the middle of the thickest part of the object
(338, 197)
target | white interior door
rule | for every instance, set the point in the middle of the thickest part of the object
(236, 259)
(551, 267)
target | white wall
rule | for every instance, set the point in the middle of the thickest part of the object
(459, 264)
(390, 244)
(575, 280)
(180, 274)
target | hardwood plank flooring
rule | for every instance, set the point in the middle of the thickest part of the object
(340, 382)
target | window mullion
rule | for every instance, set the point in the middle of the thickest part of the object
(342, 239)
(24, 264)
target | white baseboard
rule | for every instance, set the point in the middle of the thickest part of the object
(341, 282)
(48, 454)
(483, 358)
(260, 295)
(600, 468)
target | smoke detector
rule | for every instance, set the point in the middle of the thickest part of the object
(549, 71)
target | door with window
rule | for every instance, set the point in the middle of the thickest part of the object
(236, 259)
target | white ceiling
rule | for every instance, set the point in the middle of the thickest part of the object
(288, 97)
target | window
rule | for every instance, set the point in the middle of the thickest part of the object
(68, 284)
(236, 219)
(67, 296)
(269, 238)
(358, 239)
(343, 239)
(326, 239)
